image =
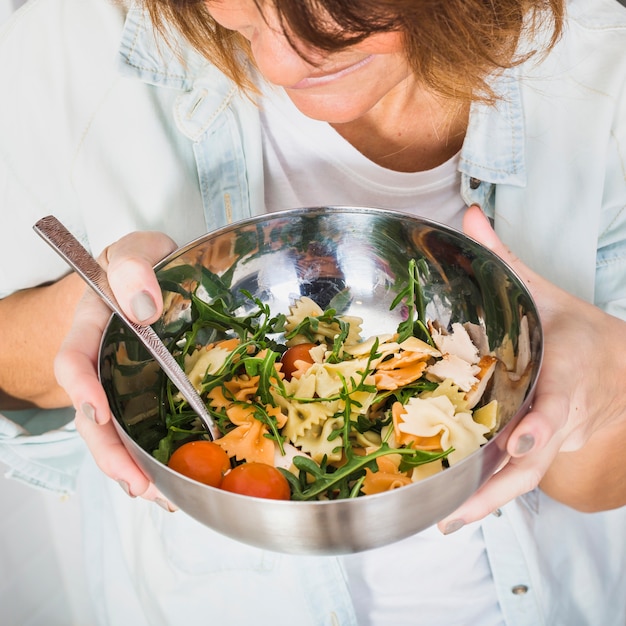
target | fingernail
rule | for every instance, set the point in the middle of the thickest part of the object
(164, 504)
(524, 444)
(88, 411)
(453, 526)
(126, 487)
(143, 306)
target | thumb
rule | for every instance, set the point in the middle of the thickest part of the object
(477, 226)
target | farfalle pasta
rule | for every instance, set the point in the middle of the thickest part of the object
(352, 415)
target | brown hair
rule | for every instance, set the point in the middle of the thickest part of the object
(453, 45)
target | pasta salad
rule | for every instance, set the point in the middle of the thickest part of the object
(338, 414)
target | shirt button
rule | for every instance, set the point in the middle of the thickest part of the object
(497, 513)
(474, 183)
(519, 590)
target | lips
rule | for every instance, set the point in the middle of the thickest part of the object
(324, 79)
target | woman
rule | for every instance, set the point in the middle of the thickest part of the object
(422, 107)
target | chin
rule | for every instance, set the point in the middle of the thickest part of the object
(327, 109)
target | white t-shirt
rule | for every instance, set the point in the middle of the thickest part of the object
(307, 163)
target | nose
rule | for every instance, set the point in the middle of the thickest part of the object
(276, 59)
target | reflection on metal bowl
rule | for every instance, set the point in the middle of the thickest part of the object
(323, 252)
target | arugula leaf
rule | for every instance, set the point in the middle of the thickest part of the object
(415, 324)
(321, 482)
(309, 327)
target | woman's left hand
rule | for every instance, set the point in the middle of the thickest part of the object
(571, 442)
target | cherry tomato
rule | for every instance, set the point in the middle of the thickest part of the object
(259, 480)
(299, 352)
(203, 461)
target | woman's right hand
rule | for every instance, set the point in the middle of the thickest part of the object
(129, 265)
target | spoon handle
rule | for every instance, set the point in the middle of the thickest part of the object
(53, 232)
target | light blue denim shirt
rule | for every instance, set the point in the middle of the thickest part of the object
(546, 164)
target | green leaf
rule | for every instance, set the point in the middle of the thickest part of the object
(320, 482)
(412, 296)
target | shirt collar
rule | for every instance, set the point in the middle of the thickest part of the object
(144, 55)
(205, 92)
(493, 150)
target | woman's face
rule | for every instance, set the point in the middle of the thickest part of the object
(337, 88)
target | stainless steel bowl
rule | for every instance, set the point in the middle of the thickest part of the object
(321, 252)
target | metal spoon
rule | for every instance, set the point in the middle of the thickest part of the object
(52, 231)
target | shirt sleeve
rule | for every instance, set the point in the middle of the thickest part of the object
(48, 460)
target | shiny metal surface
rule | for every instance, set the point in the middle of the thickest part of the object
(357, 258)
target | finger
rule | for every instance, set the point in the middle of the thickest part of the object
(540, 425)
(111, 455)
(477, 226)
(76, 372)
(114, 460)
(527, 465)
(517, 477)
(129, 263)
(75, 364)
(153, 494)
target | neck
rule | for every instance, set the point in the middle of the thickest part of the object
(410, 133)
